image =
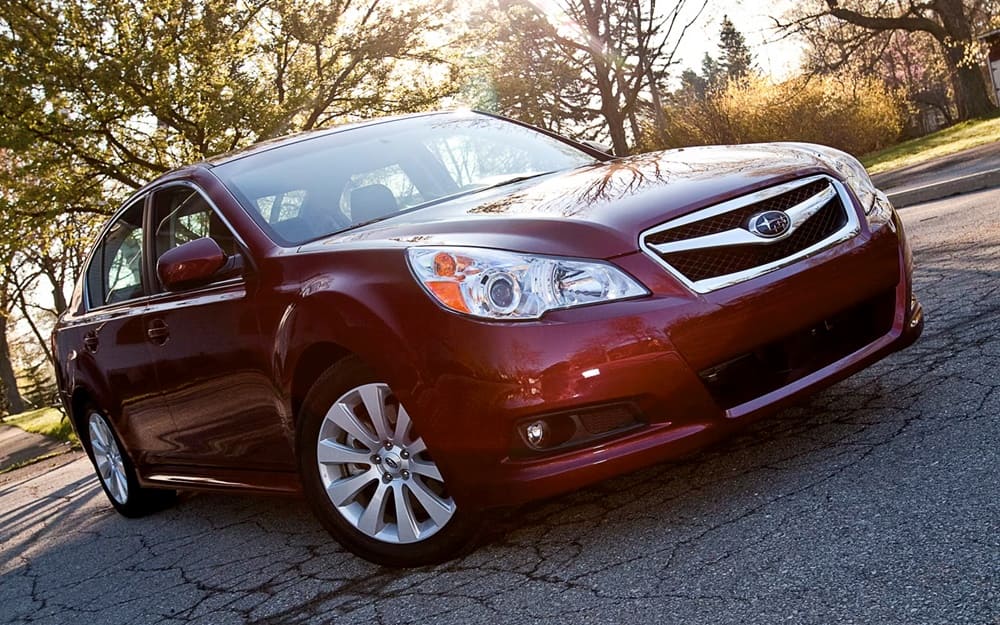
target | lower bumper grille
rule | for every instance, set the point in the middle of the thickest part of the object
(782, 362)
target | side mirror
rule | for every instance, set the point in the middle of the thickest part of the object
(190, 264)
(600, 147)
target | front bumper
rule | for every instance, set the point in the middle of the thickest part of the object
(483, 378)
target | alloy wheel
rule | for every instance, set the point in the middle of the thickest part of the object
(108, 458)
(377, 472)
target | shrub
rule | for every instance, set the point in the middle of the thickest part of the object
(853, 113)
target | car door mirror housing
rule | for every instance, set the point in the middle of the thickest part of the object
(191, 264)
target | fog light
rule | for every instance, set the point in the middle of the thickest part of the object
(536, 434)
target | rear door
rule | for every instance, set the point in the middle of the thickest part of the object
(111, 345)
(209, 354)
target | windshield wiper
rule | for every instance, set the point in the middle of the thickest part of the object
(516, 179)
(503, 183)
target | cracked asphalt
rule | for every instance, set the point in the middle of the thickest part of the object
(876, 501)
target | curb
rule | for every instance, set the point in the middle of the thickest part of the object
(946, 188)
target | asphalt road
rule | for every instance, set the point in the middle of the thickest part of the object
(876, 501)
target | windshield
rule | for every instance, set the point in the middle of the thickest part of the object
(309, 189)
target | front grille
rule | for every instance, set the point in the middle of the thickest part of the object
(771, 366)
(714, 247)
(738, 218)
(719, 261)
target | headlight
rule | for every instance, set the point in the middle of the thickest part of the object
(877, 208)
(495, 284)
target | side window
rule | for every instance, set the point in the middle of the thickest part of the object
(115, 271)
(180, 215)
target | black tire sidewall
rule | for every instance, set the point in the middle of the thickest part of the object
(448, 542)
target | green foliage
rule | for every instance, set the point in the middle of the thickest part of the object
(104, 95)
(37, 384)
(853, 113)
(537, 84)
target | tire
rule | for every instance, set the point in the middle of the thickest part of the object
(116, 472)
(369, 477)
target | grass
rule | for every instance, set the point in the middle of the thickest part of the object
(47, 421)
(953, 139)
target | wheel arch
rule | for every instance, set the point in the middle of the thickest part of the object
(314, 360)
(81, 398)
(316, 332)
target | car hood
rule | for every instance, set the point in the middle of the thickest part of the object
(595, 211)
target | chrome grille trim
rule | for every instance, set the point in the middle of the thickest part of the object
(799, 214)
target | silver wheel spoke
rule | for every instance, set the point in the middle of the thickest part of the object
(416, 447)
(120, 486)
(97, 437)
(406, 522)
(332, 452)
(438, 509)
(345, 488)
(344, 418)
(103, 467)
(428, 469)
(402, 433)
(374, 401)
(373, 519)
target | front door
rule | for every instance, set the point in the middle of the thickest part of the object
(207, 349)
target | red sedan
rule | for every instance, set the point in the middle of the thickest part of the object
(413, 320)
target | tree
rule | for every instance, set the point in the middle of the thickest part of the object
(952, 23)
(609, 60)
(694, 84)
(536, 84)
(735, 59)
(12, 401)
(734, 64)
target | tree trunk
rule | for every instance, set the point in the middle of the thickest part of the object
(613, 117)
(971, 95)
(597, 49)
(15, 404)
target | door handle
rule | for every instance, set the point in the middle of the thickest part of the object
(91, 342)
(158, 332)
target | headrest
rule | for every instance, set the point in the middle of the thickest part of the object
(372, 202)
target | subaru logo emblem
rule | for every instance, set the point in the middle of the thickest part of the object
(770, 224)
